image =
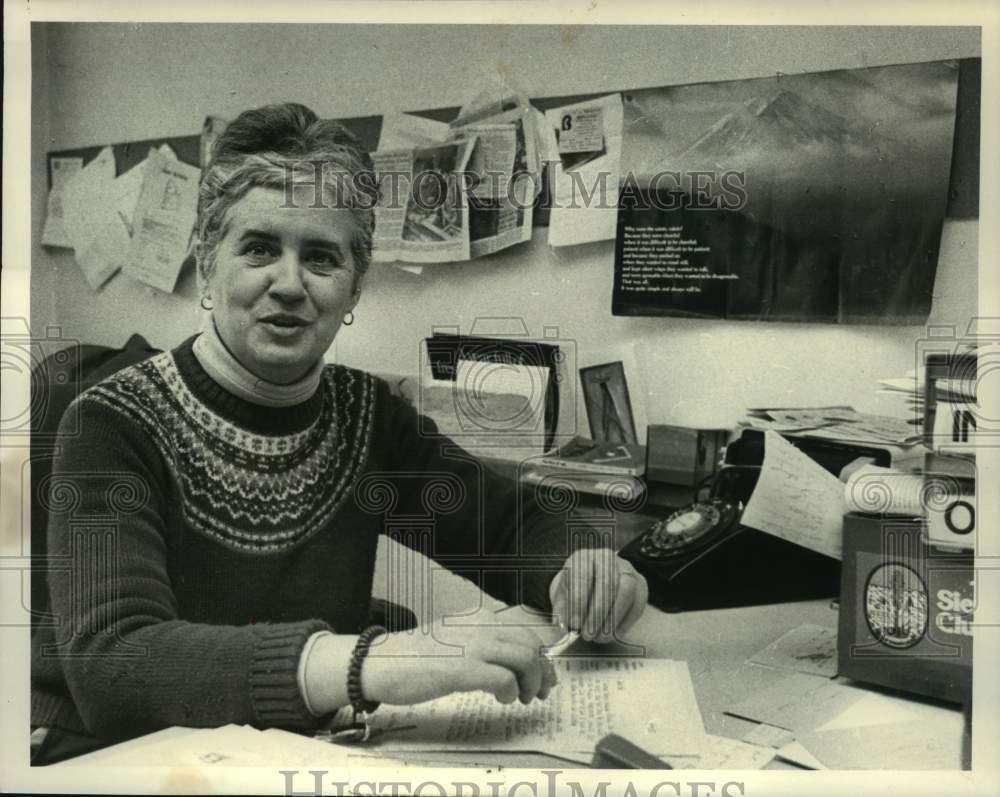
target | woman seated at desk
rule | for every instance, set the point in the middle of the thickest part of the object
(246, 475)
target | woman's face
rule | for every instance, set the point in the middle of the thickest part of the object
(284, 278)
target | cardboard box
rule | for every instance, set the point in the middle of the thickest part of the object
(906, 609)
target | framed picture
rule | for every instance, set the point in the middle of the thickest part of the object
(606, 398)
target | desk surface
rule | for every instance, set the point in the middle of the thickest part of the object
(716, 645)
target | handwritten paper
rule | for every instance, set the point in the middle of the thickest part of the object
(796, 499)
(62, 170)
(164, 218)
(650, 702)
(809, 648)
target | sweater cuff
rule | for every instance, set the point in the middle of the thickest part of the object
(301, 671)
(274, 675)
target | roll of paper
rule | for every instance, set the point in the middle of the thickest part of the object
(883, 491)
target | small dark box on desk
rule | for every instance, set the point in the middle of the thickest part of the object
(906, 609)
(683, 456)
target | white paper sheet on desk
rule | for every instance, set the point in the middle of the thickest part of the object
(577, 216)
(719, 752)
(902, 745)
(797, 754)
(650, 702)
(231, 746)
(810, 649)
(798, 702)
(796, 499)
(769, 736)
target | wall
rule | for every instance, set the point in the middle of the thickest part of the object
(108, 83)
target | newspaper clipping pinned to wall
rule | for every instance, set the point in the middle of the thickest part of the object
(452, 192)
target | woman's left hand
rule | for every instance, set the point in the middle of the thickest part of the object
(598, 594)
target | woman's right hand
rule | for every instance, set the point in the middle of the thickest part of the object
(414, 666)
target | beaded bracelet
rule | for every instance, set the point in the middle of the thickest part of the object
(360, 729)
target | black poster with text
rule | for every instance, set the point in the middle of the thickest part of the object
(817, 197)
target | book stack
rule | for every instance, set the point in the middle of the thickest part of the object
(591, 466)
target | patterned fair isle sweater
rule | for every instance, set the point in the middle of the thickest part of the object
(204, 539)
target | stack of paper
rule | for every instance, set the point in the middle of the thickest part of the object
(815, 722)
(838, 423)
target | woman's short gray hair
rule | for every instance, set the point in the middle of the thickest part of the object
(279, 146)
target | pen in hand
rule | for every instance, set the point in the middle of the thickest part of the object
(560, 646)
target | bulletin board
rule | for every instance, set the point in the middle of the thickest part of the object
(892, 298)
(963, 195)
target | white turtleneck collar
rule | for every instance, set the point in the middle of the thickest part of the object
(224, 368)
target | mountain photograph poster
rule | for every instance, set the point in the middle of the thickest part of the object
(815, 197)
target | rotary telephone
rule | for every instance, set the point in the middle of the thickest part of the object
(701, 556)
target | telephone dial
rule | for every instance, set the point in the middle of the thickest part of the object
(689, 529)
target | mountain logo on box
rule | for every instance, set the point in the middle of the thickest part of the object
(896, 606)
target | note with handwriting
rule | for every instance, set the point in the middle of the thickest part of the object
(796, 499)
(650, 702)
(810, 649)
